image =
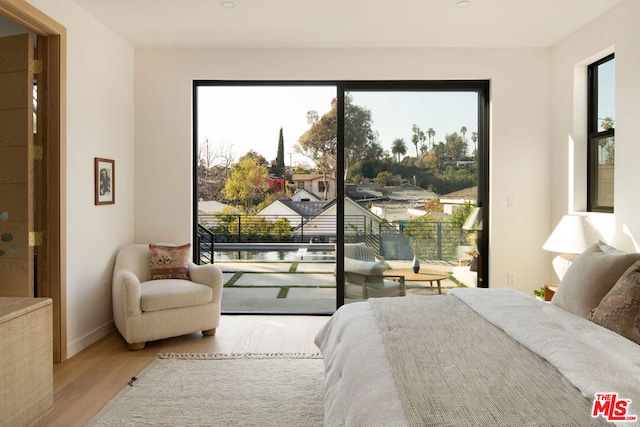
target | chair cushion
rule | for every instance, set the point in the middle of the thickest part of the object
(359, 251)
(169, 262)
(162, 294)
(390, 288)
(373, 269)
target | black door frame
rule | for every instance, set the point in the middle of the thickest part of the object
(481, 87)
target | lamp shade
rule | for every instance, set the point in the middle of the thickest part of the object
(572, 235)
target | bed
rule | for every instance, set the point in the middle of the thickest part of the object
(491, 357)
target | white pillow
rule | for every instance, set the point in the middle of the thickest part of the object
(590, 277)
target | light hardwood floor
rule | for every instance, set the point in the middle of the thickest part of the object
(87, 381)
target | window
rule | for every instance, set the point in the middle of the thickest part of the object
(601, 135)
(372, 151)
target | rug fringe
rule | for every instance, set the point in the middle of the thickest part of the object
(226, 356)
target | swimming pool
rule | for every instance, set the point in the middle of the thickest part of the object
(284, 255)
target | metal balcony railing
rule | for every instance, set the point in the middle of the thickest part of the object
(392, 240)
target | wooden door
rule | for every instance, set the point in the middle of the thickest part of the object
(16, 165)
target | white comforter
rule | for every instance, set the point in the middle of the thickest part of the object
(359, 384)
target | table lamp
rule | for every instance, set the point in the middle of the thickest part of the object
(572, 235)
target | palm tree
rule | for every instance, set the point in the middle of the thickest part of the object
(474, 138)
(607, 123)
(398, 148)
(418, 136)
(463, 131)
(431, 133)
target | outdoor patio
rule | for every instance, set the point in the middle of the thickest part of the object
(299, 286)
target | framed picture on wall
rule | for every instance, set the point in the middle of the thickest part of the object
(105, 181)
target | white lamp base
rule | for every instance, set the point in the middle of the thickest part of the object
(561, 264)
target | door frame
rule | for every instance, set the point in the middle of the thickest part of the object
(483, 90)
(52, 42)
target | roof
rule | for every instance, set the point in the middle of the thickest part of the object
(301, 194)
(466, 193)
(304, 208)
(405, 193)
(210, 206)
(310, 176)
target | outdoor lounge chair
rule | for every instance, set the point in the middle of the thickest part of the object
(364, 275)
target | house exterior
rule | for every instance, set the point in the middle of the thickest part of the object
(394, 212)
(314, 183)
(406, 194)
(356, 218)
(276, 184)
(295, 211)
(132, 103)
(452, 201)
(302, 195)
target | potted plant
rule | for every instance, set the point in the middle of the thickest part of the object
(539, 293)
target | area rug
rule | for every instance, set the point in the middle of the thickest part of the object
(245, 389)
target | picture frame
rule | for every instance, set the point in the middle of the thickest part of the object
(104, 181)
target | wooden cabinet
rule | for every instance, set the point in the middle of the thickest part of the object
(26, 360)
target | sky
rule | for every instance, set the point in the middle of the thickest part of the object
(250, 117)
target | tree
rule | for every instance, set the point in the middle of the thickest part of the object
(431, 134)
(607, 123)
(418, 137)
(279, 167)
(434, 205)
(455, 146)
(319, 143)
(359, 136)
(463, 131)
(251, 154)
(383, 179)
(398, 148)
(246, 183)
(301, 169)
(474, 138)
(440, 151)
(213, 166)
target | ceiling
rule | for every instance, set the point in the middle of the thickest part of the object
(345, 23)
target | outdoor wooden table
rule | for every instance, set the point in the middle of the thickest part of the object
(423, 275)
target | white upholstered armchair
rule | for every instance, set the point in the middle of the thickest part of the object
(147, 310)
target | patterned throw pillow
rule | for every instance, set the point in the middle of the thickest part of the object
(169, 262)
(619, 310)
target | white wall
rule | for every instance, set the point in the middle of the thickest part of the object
(616, 31)
(520, 131)
(532, 118)
(99, 124)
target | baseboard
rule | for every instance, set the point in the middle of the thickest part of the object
(90, 338)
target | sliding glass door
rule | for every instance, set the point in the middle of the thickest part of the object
(313, 194)
(413, 170)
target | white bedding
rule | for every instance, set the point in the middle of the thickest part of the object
(359, 384)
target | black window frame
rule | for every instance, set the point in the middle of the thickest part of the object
(481, 87)
(594, 136)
